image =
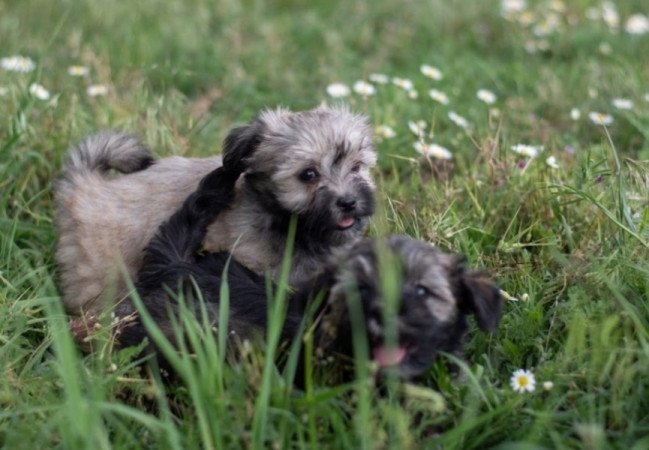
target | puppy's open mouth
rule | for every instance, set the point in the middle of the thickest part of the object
(345, 223)
(389, 356)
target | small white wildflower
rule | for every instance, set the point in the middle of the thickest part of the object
(599, 118)
(338, 90)
(379, 78)
(523, 381)
(438, 96)
(610, 15)
(548, 385)
(418, 128)
(552, 162)
(433, 150)
(605, 48)
(637, 24)
(3, 91)
(385, 132)
(97, 90)
(413, 94)
(459, 120)
(403, 83)
(622, 103)
(525, 297)
(78, 71)
(531, 151)
(364, 88)
(38, 91)
(17, 63)
(512, 6)
(431, 72)
(486, 96)
(575, 114)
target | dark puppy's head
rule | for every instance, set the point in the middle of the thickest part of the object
(315, 164)
(435, 294)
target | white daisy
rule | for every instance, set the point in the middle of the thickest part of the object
(575, 114)
(17, 63)
(38, 91)
(384, 131)
(637, 24)
(433, 150)
(418, 128)
(379, 78)
(78, 71)
(431, 72)
(364, 88)
(523, 381)
(622, 103)
(599, 118)
(486, 96)
(97, 90)
(403, 83)
(338, 90)
(530, 151)
(459, 120)
(552, 162)
(610, 15)
(438, 96)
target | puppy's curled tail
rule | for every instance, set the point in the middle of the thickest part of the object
(105, 151)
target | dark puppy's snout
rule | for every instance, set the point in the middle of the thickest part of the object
(347, 203)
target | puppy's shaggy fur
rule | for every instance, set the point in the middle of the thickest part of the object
(435, 292)
(313, 164)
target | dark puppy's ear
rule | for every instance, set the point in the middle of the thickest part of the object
(240, 143)
(478, 295)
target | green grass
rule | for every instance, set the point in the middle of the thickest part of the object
(572, 241)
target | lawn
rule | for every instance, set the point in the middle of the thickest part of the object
(516, 133)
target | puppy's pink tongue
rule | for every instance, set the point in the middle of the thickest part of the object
(389, 356)
(345, 222)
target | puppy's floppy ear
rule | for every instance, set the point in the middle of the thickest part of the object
(240, 143)
(479, 295)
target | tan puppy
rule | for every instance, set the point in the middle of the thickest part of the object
(313, 164)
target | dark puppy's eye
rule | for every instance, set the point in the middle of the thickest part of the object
(309, 175)
(356, 168)
(421, 291)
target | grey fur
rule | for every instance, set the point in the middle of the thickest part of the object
(105, 221)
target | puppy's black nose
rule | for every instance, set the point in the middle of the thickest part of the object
(347, 203)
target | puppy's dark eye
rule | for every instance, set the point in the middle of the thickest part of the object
(356, 168)
(421, 291)
(309, 175)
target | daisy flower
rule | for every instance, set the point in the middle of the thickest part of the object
(610, 15)
(403, 83)
(338, 90)
(418, 128)
(364, 88)
(459, 120)
(38, 91)
(622, 103)
(379, 78)
(637, 24)
(552, 162)
(97, 90)
(78, 71)
(384, 131)
(433, 150)
(17, 63)
(523, 381)
(431, 72)
(599, 118)
(438, 96)
(486, 96)
(531, 151)
(575, 114)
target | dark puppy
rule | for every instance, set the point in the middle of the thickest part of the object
(435, 292)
